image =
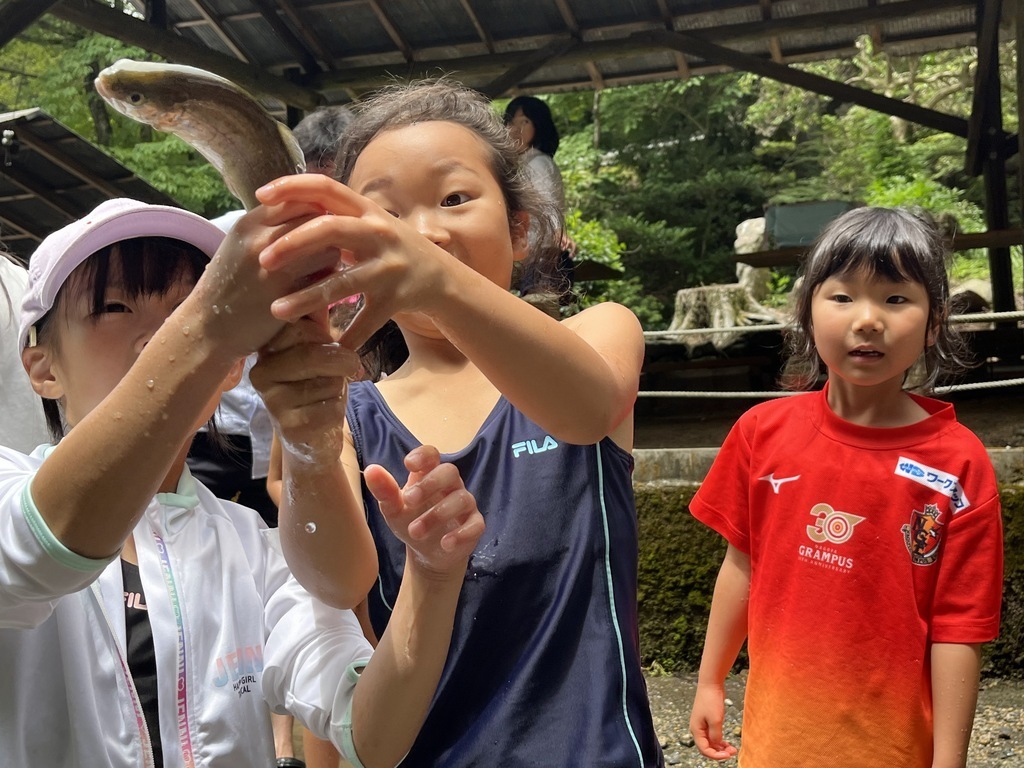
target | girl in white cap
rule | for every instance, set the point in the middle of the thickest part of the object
(142, 620)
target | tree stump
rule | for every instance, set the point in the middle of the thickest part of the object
(717, 306)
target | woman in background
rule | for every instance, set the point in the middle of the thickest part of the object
(530, 123)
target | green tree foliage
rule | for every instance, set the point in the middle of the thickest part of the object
(671, 168)
(819, 149)
(657, 176)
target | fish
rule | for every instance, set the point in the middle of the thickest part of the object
(213, 115)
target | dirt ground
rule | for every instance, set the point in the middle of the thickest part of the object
(996, 416)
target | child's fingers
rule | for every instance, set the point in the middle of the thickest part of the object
(307, 361)
(707, 737)
(419, 461)
(313, 189)
(335, 286)
(370, 318)
(385, 490)
(429, 485)
(447, 515)
(466, 535)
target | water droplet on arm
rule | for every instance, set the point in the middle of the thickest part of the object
(310, 527)
(150, 384)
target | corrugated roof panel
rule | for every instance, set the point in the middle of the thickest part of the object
(689, 21)
(433, 23)
(505, 19)
(259, 42)
(351, 33)
(615, 12)
(793, 8)
(924, 26)
(54, 177)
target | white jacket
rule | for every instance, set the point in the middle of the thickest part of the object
(233, 631)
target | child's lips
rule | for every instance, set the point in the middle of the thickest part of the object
(868, 352)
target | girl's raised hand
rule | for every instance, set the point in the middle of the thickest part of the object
(303, 375)
(387, 260)
(433, 515)
(232, 299)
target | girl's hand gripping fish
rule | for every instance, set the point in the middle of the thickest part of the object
(218, 119)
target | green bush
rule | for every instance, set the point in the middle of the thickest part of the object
(679, 561)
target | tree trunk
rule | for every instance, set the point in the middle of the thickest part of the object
(717, 306)
(98, 109)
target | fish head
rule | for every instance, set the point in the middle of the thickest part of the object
(153, 93)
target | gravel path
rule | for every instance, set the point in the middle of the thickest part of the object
(998, 738)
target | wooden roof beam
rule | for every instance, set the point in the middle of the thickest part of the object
(530, 64)
(573, 25)
(50, 151)
(875, 30)
(474, 18)
(49, 197)
(15, 231)
(869, 14)
(219, 30)
(392, 31)
(840, 91)
(371, 76)
(682, 65)
(299, 48)
(19, 15)
(113, 23)
(773, 42)
(988, 59)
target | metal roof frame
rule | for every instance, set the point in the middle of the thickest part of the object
(50, 176)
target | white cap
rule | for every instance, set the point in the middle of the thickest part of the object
(110, 222)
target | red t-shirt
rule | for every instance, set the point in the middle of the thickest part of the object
(866, 545)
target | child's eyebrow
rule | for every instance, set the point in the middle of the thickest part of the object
(377, 184)
(442, 168)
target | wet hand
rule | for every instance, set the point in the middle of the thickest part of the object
(302, 375)
(434, 515)
(232, 300)
(384, 258)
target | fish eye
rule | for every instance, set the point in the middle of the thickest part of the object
(135, 97)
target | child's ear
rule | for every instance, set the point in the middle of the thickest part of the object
(38, 363)
(933, 331)
(520, 231)
(234, 375)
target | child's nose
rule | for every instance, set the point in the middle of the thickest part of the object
(428, 224)
(868, 319)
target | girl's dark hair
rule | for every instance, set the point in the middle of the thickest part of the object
(146, 266)
(892, 243)
(319, 132)
(399, 106)
(546, 134)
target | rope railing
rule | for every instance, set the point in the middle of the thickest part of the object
(768, 394)
(980, 317)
